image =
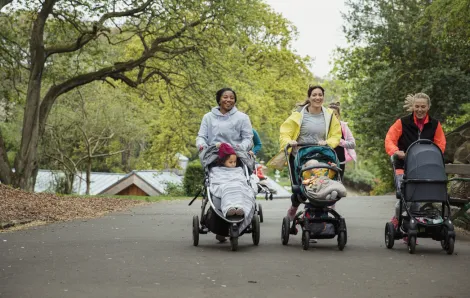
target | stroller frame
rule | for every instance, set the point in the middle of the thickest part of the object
(412, 228)
(214, 221)
(318, 207)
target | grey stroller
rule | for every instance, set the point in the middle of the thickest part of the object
(212, 219)
(424, 182)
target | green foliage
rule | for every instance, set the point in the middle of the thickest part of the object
(397, 48)
(174, 190)
(193, 180)
(361, 179)
(455, 121)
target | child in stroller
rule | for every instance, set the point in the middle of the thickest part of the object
(318, 192)
(232, 209)
(424, 182)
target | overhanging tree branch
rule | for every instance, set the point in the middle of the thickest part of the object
(110, 71)
(89, 35)
(4, 3)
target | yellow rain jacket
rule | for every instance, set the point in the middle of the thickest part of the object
(290, 130)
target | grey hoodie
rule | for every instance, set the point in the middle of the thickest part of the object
(234, 128)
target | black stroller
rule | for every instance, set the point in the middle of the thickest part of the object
(213, 220)
(424, 182)
(315, 219)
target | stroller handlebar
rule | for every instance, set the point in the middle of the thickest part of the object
(302, 145)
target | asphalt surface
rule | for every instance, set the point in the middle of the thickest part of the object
(148, 252)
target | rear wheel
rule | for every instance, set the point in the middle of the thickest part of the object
(234, 243)
(342, 240)
(195, 230)
(260, 213)
(285, 230)
(389, 235)
(255, 234)
(305, 240)
(412, 244)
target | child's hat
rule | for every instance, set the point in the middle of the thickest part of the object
(225, 149)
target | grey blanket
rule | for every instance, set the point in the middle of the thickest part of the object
(231, 186)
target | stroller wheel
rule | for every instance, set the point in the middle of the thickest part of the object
(260, 213)
(195, 230)
(389, 235)
(305, 239)
(234, 243)
(450, 246)
(412, 244)
(342, 240)
(255, 234)
(285, 230)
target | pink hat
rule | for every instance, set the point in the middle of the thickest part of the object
(225, 149)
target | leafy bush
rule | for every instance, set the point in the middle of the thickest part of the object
(359, 179)
(174, 189)
(193, 178)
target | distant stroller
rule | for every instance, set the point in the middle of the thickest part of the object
(261, 185)
(315, 219)
(214, 220)
(424, 181)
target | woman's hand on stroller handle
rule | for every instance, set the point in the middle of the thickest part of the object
(399, 154)
(294, 144)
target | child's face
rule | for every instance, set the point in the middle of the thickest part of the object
(231, 162)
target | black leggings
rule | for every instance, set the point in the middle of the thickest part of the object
(343, 168)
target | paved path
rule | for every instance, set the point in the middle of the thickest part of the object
(148, 252)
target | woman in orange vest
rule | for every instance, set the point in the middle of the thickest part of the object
(406, 130)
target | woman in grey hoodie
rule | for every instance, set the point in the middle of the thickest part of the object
(225, 124)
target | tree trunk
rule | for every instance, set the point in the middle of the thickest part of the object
(88, 176)
(69, 177)
(5, 169)
(26, 160)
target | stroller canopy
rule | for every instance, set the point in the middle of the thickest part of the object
(424, 167)
(321, 153)
(425, 161)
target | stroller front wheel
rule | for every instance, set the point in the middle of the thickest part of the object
(341, 240)
(412, 244)
(389, 235)
(195, 230)
(285, 230)
(305, 239)
(234, 243)
(255, 234)
(450, 246)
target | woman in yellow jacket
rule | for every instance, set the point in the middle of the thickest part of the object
(309, 123)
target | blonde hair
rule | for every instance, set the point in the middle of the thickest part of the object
(410, 99)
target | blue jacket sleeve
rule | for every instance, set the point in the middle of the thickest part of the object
(256, 142)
